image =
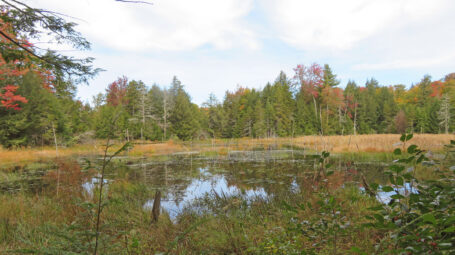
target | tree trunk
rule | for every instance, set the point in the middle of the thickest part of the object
(156, 206)
(56, 155)
(165, 116)
(315, 108)
(143, 115)
(327, 117)
(355, 118)
(320, 119)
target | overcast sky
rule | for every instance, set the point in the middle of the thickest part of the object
(215, 45)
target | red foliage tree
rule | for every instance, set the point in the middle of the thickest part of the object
(437, 88)
(9, 99)
(310, 78)
(116, 92)
(12, 71)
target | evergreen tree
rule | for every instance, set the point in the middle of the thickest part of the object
(329, 79)
(183, 123)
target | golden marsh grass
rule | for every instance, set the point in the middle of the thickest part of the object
(337, 144)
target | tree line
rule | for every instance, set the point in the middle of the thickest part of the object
(38, 104)
(311, 102)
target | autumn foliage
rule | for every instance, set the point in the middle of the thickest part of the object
(311, 78)
(11, 71)
(116, 92)
(9, 99)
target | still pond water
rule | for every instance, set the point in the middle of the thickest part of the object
(183, 179)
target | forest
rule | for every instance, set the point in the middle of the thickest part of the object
(309, 102)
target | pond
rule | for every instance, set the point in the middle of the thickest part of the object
(183, 179)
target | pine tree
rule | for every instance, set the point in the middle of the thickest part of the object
(329, 79)
(259, 127)
(183, 123)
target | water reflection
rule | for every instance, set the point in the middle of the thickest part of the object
(182, 182)
(385, 197)
(173, 204)
(182, 179)
(90, 185)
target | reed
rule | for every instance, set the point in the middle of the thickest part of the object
(374, 143)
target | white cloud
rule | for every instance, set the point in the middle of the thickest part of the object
(165, 25)
(213, 45)
(335, 24)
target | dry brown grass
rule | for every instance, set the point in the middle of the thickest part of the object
(372, 143)
(338, 144)
(27, 155)
(158, 149)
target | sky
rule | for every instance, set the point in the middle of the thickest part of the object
(217, 45)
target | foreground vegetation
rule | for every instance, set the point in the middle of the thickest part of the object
(323, 217)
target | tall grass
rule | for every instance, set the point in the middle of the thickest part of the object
(337, 144)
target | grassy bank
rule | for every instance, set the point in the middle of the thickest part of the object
(381, 143)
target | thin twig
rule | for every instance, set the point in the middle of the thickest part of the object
(134, 2)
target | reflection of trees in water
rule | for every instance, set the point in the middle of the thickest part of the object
(171, 178)
(281, 176)
(274, 177)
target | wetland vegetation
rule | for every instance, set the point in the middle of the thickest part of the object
(301, 165)
(268, 200)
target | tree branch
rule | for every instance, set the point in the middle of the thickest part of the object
(134, 2)
(20, 45)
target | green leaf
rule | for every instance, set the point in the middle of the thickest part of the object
(379, 217)
(329, 173)
(410, 159)
(397, 196)
(420, 159)
(409, 137)
(397, 168)
(450, 220)
(399, 180)
(429, 218)
(407, 176)
(449, 229)
(403, 137)
(397, 151)
(374, 186)
(376, 208)
(412, 148)
(387, 188)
